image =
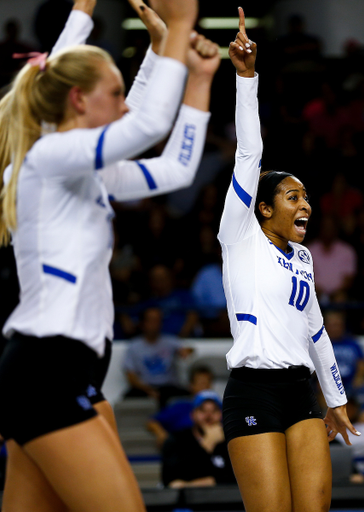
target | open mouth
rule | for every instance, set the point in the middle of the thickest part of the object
(301, 224)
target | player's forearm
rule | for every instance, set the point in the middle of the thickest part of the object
(77, 29)
(86, 6)
(178, 41)
(198, 92)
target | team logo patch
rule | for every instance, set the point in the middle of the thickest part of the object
(91, 391)
(84, 402)
(251, 421)
(218, 461)
(304, 256)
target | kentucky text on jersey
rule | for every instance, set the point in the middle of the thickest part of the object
(187, 144)
(337, 378)
(290, 267)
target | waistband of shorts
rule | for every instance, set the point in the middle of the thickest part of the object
(267, 376)
(56, 342)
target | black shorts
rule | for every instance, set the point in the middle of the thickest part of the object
(43, 386)
(98, 374)
(261, 401)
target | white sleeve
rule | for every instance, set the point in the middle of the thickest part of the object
(137, 90)
(78, 151)
(174, 169)
(238, 219)
(323, 357)
(77, 29)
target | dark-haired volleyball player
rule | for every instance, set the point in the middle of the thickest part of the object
(276, 437)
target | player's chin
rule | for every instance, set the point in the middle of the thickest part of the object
(298, 234)
(298, 238)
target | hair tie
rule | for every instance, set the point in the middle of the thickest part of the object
(34, 58)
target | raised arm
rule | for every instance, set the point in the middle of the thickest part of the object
(178, 164)
(86, 6)
(157, 30)
(136, 132)
(238, 219)
(180, 17)
(78, 27)
(156, 27)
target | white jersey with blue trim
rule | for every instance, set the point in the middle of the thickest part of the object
(274, 314)
(63, 243)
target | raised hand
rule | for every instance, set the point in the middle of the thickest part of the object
(156, 27)
(203, 60)
(176, 11)
(86, 6)
(243, 51)
(203, 56)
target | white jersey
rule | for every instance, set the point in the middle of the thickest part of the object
(273, 310)
(63, 243)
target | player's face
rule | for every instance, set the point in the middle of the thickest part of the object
(291, 211)
(106, 102)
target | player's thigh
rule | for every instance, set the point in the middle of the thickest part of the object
(87, 467)
(260, 466)
(26, 488)
(104, 408)
(309, 464)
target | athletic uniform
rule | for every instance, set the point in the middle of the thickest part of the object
(63, 245)
(276, 323)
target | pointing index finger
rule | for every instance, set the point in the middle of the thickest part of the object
(242, 22)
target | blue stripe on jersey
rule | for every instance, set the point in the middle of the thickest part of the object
(318, 335)
(151, 183)
(59, 273)
(288, 255)
(245, 317)
(99, 163)
(244, 196)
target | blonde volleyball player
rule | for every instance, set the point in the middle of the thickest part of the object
(56, 206)
(277, 440)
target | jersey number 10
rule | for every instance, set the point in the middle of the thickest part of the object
(300, 299)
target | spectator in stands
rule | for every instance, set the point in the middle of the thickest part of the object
(180, 317)
(176, 416)
(326, 118)
(344, 203)
(356, 416)
(50, 18)
(157, 242)
(198, 456)
(8, 46)
(298, 50)
(348, 352)
(209, 297)
(335, 263)
(150, 361)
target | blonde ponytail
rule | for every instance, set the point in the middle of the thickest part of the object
(38, 96)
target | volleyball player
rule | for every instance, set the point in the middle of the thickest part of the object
(177, 166)
(56, 206)
(276, 437)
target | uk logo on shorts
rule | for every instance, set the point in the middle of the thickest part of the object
(251, 421)
(304, 256)
(84, 402)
